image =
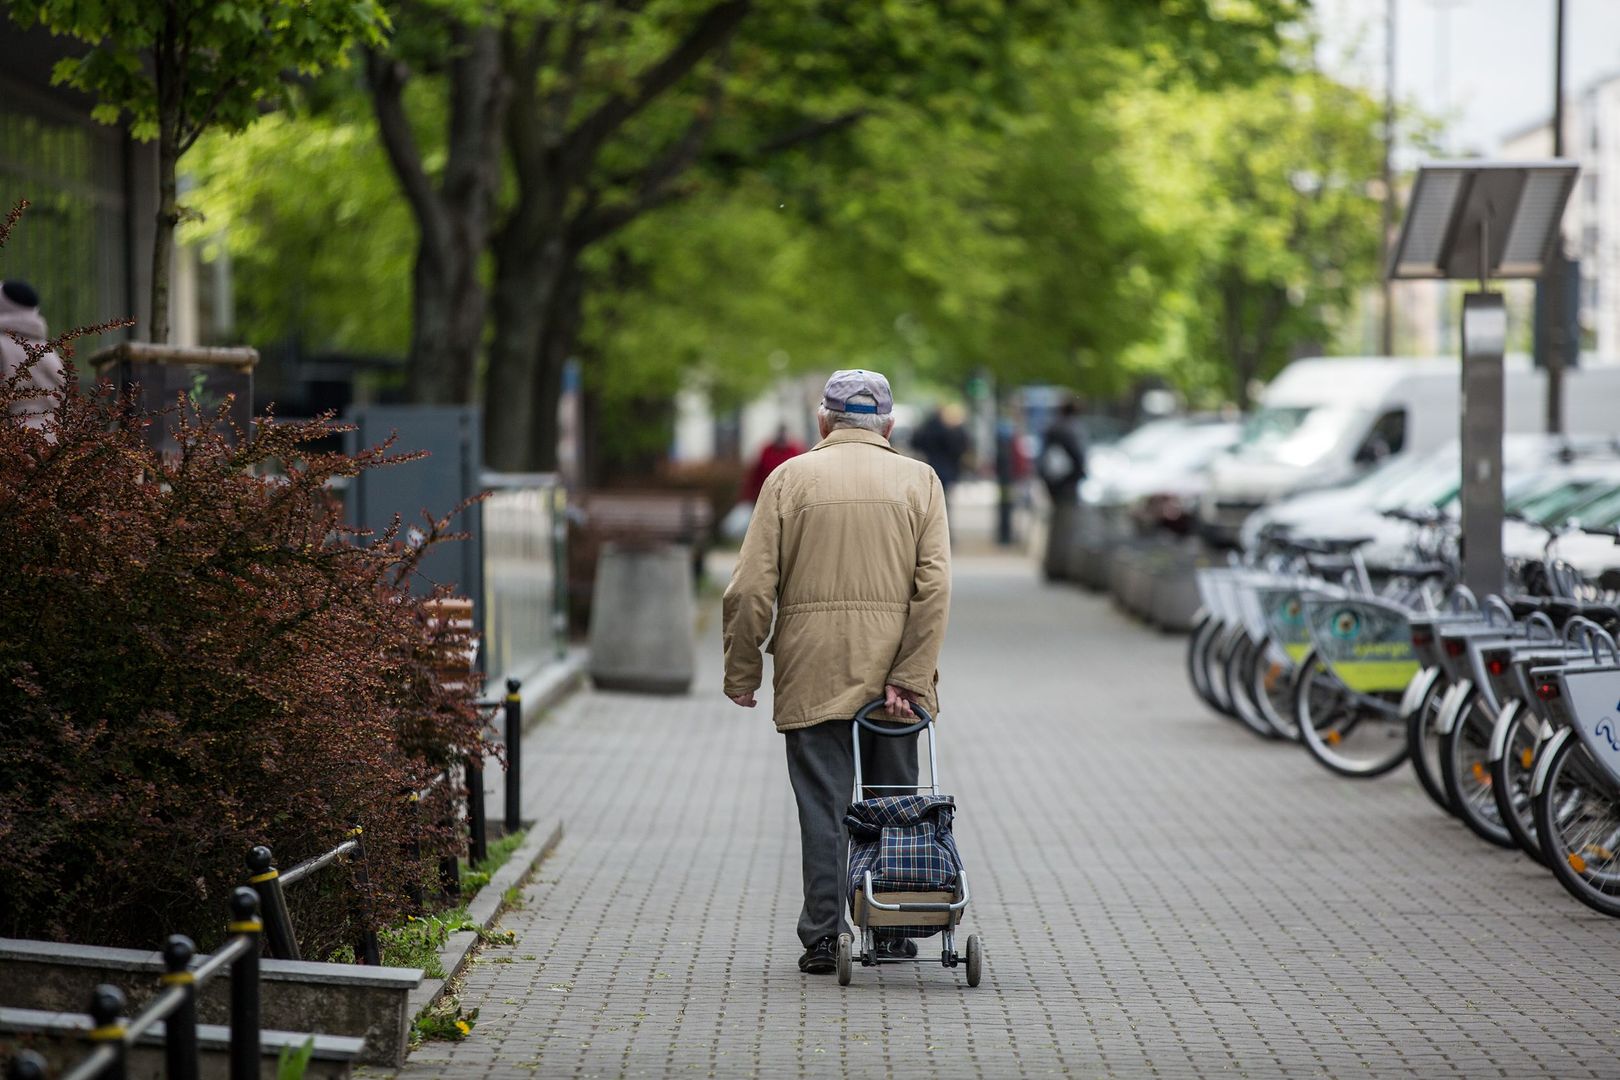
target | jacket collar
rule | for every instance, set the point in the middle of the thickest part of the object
(854, 435)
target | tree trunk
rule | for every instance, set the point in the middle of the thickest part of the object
(527, 275)
(558, 344)
(448, 322)
(167, 218)
(450, 303)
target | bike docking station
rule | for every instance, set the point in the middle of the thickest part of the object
(1485, 220)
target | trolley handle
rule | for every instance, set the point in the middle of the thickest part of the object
(876, 728)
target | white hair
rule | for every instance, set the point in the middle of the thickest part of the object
(873, 422)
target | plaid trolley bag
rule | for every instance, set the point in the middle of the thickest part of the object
(905, 875)
(905, 843)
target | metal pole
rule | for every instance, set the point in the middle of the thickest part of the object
(1549, 327)
(27, 1065)
(413, 851)
(366, 949)
(1386, 335)
(180, 1029)
(107, 1006)
(477, 828)
(514, 756)
(1484, 333)
(278, 927)
(245, 985)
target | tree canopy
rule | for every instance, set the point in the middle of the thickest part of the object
(176, 69)
(1072, 193)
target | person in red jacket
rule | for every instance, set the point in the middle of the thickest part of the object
(778, 450)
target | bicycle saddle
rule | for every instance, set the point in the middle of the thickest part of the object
(1328, 546)
(1411, 570)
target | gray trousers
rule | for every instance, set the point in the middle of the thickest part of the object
(821, 765)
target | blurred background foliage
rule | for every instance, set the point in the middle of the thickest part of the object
(1082, 193)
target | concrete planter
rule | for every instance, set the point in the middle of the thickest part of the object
(365, 1003)
(62, 1041)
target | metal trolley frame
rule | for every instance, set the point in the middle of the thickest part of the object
(871, 909)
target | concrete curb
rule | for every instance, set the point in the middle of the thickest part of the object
(552, 685)
(484, 908)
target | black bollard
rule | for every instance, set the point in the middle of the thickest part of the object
(180, 1029)
(477, 827)
(27, 1065)
(278, 927)
(107, 1006)
(413, 851)
(366, 950)
(514, 756)
(245, 985)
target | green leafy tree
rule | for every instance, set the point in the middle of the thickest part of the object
(1269, 193)
(319, 241)
(177, 68)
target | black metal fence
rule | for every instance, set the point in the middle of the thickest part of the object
(176, 1008)
(281, 937)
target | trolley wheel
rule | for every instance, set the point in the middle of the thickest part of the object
(843, 959)
(975, 959)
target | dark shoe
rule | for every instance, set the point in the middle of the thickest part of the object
(820, 958)
(897, 949)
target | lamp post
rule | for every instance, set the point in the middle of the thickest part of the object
(1484, 220)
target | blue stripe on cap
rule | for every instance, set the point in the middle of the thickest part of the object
(848, 407)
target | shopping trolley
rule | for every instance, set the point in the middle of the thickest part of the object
(883, 909)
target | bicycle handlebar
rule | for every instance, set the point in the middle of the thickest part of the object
(873, 726)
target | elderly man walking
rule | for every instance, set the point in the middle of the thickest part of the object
(848, 544)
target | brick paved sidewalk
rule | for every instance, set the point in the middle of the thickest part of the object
(1159, 894)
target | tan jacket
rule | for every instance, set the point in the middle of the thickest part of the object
(848, 543)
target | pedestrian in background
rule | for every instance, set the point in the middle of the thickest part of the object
(849, 550)
(943, 442)
(782, 448)
(1062, 465)
(20, 315)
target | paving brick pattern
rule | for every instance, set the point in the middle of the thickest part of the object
(1160, 894)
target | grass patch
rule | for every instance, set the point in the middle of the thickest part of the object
(417, 941)
(499, 854)
(444, 1022)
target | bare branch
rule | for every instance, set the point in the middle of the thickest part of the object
(10, 223)
(655, 182)
(388, 77)
(810, 132)
(713, 29)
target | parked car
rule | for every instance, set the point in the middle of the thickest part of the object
(1325, 422)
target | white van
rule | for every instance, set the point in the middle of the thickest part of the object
(1324, 421)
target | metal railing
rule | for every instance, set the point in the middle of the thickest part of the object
(175, 1007)
(281, 939)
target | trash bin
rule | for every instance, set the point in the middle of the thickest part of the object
(642, 619)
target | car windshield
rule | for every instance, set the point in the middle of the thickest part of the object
(1147, 440)
(1429, 482)
(1296, 435)
(1197, 444)
(1556, 505)
(1603, 512)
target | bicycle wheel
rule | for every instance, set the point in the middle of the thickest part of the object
(1513, 753)
(1198, 656)
(1423, 743)
(1220, 695)
(1239, 677)
(1578, 821)
(1353, 735)
(1465, 772)
(1271, 687)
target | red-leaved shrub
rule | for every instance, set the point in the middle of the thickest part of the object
(195, 657)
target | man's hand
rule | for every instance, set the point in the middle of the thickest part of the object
(745, 700)
(897, 702)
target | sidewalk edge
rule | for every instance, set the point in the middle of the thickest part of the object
(486, 906)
